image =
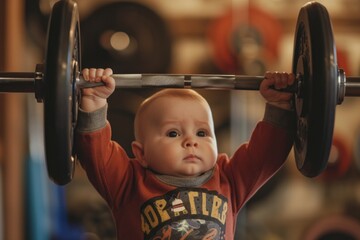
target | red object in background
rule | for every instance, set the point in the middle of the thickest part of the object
(224, 29)
(343, 60)
(339, 160)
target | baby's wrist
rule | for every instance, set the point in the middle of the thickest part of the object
(91, 121)
(92, 103)
(283, 105)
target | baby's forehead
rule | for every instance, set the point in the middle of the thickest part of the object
(179, 109)
(185, 99)
(179, 95)
(168, 103)
(174, 93)
(154, 111)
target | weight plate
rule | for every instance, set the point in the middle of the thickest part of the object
(315, 102)
(232, 36)
(127, 37)
(36, 20)
(62, 57)
(334, 227)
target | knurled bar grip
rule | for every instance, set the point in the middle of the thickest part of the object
(206, 81)
(181, 81)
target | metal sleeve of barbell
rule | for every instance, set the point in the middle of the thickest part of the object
(352, 86)
(22, 82)
(206, 81)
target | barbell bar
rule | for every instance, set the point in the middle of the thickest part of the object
(320, 86)
(25, 82)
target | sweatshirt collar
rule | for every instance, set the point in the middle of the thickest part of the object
(186, 182)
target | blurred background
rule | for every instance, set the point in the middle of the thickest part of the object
(189, 37)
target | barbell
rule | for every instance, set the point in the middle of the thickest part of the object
(320, 86)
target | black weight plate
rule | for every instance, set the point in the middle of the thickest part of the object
(128, 37)
(62, 55)
(315, 59)
(36, 21)
(334, 227)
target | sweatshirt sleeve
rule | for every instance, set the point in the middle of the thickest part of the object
(280, 117)
(256, 161)
(105, 162)
(91, 121)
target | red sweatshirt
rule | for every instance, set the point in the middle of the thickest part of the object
(146, 205)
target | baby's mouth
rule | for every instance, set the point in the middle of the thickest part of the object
(192, 157)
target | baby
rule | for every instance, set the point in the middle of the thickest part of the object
(177, 186)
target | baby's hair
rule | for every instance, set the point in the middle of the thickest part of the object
(170, 92)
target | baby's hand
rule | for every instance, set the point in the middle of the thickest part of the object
(95, 98)
(270, 86)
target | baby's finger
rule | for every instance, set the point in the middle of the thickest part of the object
(109, 82)
(99, 74)
(108, 72)
(85, 73)
(291, 79)
(92, 74)
(270, 75)
(267, 82)
(278, 80)
(288, 79)
(283, 80)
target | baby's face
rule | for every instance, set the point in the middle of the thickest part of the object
(178, 137)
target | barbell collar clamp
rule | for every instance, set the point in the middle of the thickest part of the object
(38, 83)
(341, 88)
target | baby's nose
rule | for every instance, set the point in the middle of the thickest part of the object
(190, 142)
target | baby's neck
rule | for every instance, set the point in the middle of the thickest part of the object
(176, 181)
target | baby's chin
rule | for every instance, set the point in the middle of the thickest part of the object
(185, 172)
(178, 174)
(190, 174)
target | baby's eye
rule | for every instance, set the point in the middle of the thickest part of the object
(173, 134)
(201, 133)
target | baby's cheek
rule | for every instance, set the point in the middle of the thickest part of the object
(214, 155)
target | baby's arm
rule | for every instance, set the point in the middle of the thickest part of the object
(270, 86)
(271, 141)
(95, 149)
(95, 98)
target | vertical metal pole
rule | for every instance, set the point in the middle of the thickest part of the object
(12, 134)
(239, 129)
(2, 65)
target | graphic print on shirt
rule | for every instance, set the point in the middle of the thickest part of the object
(185, 213)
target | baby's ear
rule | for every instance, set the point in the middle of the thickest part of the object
(138, 152)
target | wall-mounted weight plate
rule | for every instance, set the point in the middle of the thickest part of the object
(315, 102)
(128, 37)
(232, 32)
(333, 227)
(60, 103)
